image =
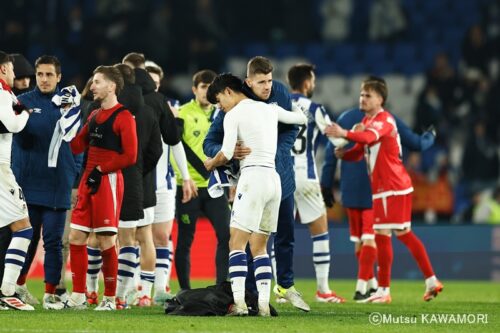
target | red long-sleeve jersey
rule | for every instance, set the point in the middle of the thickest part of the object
(381, 146)
(109, 161)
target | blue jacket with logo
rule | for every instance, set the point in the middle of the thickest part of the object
(355, 187)
(43, 186)
(286, 137)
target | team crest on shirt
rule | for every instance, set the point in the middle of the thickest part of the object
(12, 191)
(196, 133)
(377, 125)
(239, 196)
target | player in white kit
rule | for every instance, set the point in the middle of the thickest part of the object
(13, 208)
(258, 194)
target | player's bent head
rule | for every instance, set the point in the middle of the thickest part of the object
(376, 84)
(127, 72)
(298, 74)
(204, 76)
(112, 74)
(220, 83)
(259, 65)
(135, 60)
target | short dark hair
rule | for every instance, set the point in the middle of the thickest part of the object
(203, 76)
(259, 65)
(376, 84)
(155, 70)
(127, 72)
(112, 74)
(49, 60)
(299, 73)
(136, 59)
(5, 58)
(221, 82)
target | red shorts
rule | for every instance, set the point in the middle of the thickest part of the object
(99, 212)
(393, 212)
(360, 224)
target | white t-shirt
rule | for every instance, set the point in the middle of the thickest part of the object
(256, 124)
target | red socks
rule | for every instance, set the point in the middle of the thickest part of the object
(385, 256)
(79, 264)
(21, 279)
(418, 251)
(50, 288)
(109, 270)
(367, 257)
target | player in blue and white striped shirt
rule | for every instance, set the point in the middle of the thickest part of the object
(308, 199)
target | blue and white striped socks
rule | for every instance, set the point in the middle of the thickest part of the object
(263, 276)
(170, 260)
(147, 281)
(14, 259)
(237, 275)
(161, 269)
(321, 259)
(95, 264)
(127, 263)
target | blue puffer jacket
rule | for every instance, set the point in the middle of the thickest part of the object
(286, 137)
(44, 186)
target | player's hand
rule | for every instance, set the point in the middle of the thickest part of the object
(189, 190)
(240, 151)
(339, 153)
(209, 165)
(335, 131)
(328, 196)
(94, 180)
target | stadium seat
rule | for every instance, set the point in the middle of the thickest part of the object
(284, 50)
(256, 49)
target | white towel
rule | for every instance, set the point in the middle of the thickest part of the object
(69, 123)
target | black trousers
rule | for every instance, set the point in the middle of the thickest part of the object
(218, 212)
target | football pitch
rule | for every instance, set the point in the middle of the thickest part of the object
(462, 307)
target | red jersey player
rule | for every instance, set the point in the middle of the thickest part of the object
(111, 139)
(379, 142)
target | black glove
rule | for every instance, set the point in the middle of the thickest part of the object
(328, 196)
(18, 108)
(94, 180)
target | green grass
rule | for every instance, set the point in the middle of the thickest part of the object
(458, 298)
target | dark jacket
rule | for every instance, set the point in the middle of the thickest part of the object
(150, 141)
(136, 196)
(44, 186)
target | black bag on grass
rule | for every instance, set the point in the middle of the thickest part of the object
(209, 301)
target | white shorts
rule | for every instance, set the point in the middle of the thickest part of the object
(257, 200)
(12, 204)
(309, 200)
(165, 205)
(147, 220)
